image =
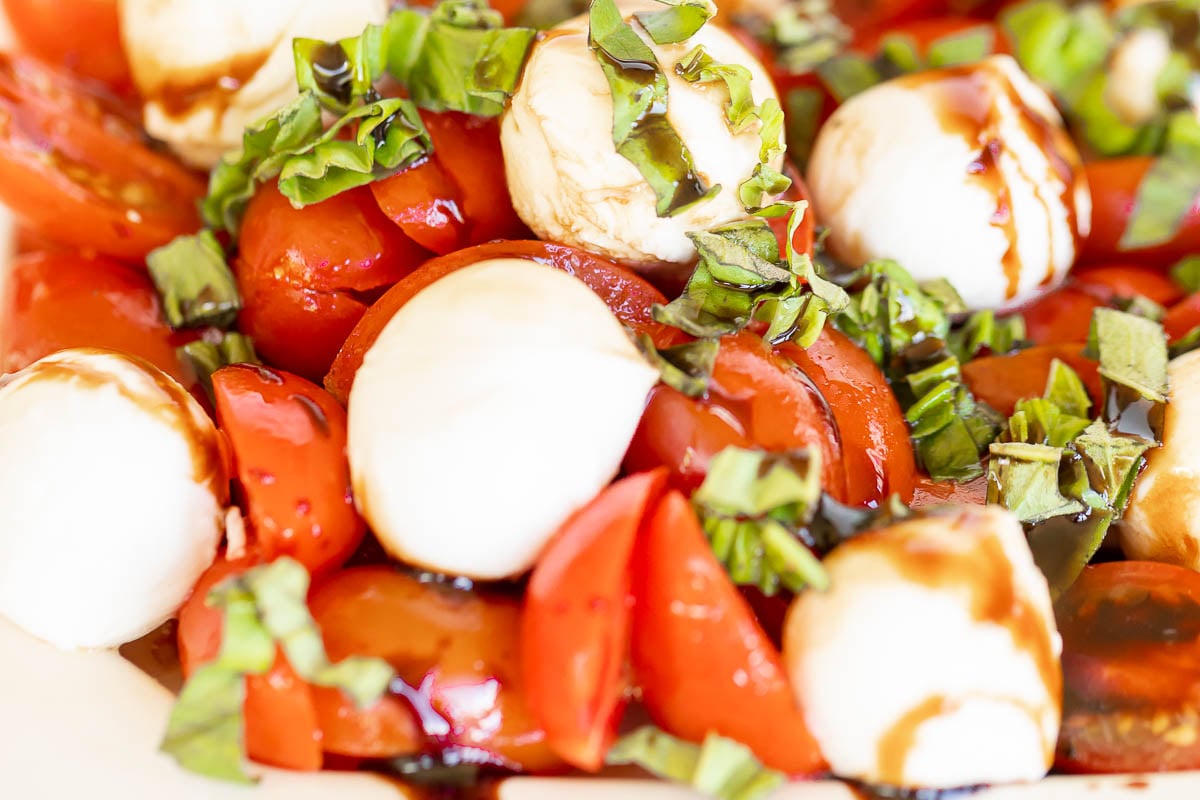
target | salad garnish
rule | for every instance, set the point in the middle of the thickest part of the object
(719, 768)
(195, 283)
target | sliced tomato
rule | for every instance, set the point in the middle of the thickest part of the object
(1114, 184)
(877, 452)
(289, 450)
(1061, 316)
(1131, 669)
(578, 610)
(74, 167)
(757, 398)
(425, 203)
(1183, 317)
(1000, 381)
(1116, 281)
(457, 652)
(629, 297)
(82, 35)
(309, 274)
(61, 299)
(929, 492)
(700, 657)
(281, 719)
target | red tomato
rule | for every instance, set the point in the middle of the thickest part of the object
(281, 720)
(1114, 184)
(932, 493)
(1109, 282)
(877, 452)
(629, 296)
(82, 35)
(1061, 316)
(308, 274)
(289, 449)
(77, 171)
(1182, 317)
(1000, 381)
(578, 609)
(805, 234)
(426, 205)
(63, 299)
(1131, 669)
(756, 399)
(458, 652)
(702, 661)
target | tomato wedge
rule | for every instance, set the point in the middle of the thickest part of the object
(1000, 381)
(289, 450)
(82, 35)
(75, 168)
(701, 659)
(1114, 184)
(425, 203)
(578, 610)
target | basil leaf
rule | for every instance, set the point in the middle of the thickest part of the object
(1065, 389)
(1063, 545)
(677, 23)
(1185, 344)
(543, 14)
(1186, 274)
(207, 355)
(720, 768)
(847, 75)
(196, 285)
(803, 117)
(963, 47)
(1169, 189)
(984, 332)
(699, 67)
(687, 367)
(339, 73)
(1113, 461)
(805, 35)
(1060, 48)
(1024, 479)
(1132, 352)
(888, 312)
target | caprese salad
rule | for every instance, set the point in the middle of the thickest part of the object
(784, 390)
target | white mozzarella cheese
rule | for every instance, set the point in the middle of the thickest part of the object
(965, 174)
(494, 404)
(932, 660)
(209, 69)
(1133, 70)
(567, 181)
(113, 485)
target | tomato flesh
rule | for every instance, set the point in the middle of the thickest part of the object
(82, 35)
(1000, 381)
(1114, 185)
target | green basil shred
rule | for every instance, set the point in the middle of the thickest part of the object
(194, 281)
(719, 768)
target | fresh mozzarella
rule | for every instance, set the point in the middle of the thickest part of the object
(1162, 522)
(494, 404)
(1133, 70)
(207, 69)
(567, 181)
(113, 485)
(932, 660)
(964, 174)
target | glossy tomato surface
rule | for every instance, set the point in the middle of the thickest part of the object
(83, 36)
(1114, 185)
(1000, 381)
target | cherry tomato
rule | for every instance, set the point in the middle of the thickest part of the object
(932, 493)
(1000, 381)
(805, 234)
(281, 720)
(627, 295)
(1065, 314)
(877, 452)
(1131, 668)
(63, 299)
(1109, 282)
(308, 274)
(1114, 183)
(866, 15)
(82, 35)
(702, 661)
(756, 399)
(76, 170)
(425, 203)
(289, 449)
(578, 609)
(1182, 317)
(458, 652)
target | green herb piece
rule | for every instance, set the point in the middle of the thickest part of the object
(1169, 189)
(983, 331)
(1132, 352)
(888, 312)
(804, 35)
(685, 367)
(339, 73)
(196, 285)
(543, 14)
(1113, 461)
(699, 67)
(1140, 306)
(1063, 545)
(677, 23)
(207, 355)
(1059, 47)
(1065, 389)
(847, 75)
(950, 429)
(1186, 273)
(263, 607)
(803, 117)
(963, 47)
(1185, 344)
(720, 768)
(1024, 479)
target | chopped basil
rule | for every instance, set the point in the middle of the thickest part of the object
(803, 117)
(888, 312)
(1169, 189)
(1140, 306)
(847, 75)
(1065, 389)
(1060, 47)
(677, 23)
(339, 73)
(804, 35)
(543, 14)
(1132, 352)
(1185, 344)
(983, 332)
(1024, 479)
(950, 429)
(685, 367)
(720, 768)
(699, 67)
(209, 354)
(1186, 273)
(964, 47)
(1113, 461)
(196, 285)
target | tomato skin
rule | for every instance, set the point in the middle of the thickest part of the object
(1114, 184)
(1061, 316)
(62, 299)
(578, 611)
(1000, 381)
(280, 718)
(289, 449)
(1115, 281)
(308, 274)
(1131, 668)
(458, 650)
(424, 202)
(627, 295)
(929, 492)
(702, 660)
(75, 168)
(876, 449)
(1182, 317)
(756, 399)
(81, 35)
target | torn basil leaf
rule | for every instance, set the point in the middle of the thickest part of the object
(1132, 352)
(1024, 479)
(687, 367)
(984, 333)
(339, 73)
(847, 75)
(720, 768)
(1169, 189)
(804, 35)
(196, 285)
(1186, 274)
(212, 352)
(1112, 461)
(676, 23)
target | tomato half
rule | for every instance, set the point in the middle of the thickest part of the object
(309, 274)
(1000, 381)
(289, 451)
(757, 398)
(1114, 183)
(877, 452)
(280, 718)
(75, 168)
(702, 660)
(1131, 669)
(458, 654)
(82, 35)
(629, 296)
(1182, 317)
(61, 299)
(578, 610)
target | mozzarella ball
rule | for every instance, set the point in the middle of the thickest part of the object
(963, 173)
(1133, 70)
(569, 184)
(208, 69)
(1162, 522)
(932, 659)
(494, 404)
(113, 486)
